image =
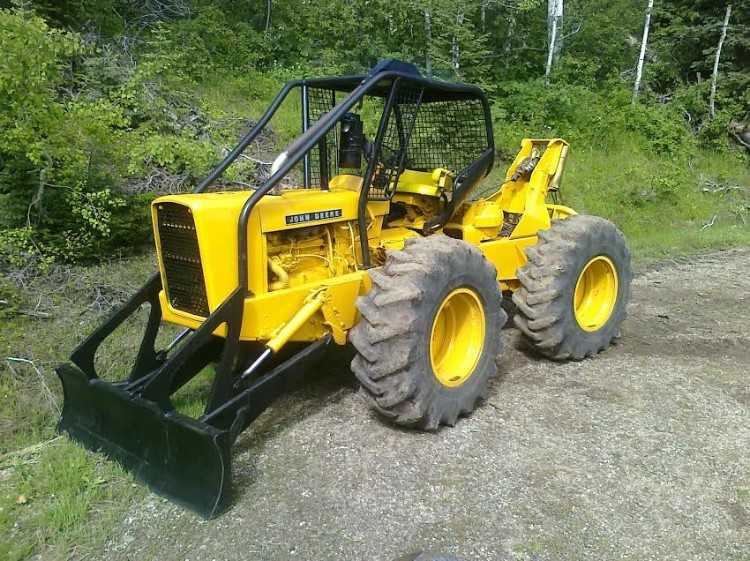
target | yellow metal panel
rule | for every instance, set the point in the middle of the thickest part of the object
(507, 255)
(216, 216)
(312, 206)
(429, 183)
(345, 182)
(394, 238)
(418, 182)
(312, 303)
(265, 313)
(481, 221)
(179, 317)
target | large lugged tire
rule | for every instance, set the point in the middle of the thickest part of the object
(429, 332)
(575, 288)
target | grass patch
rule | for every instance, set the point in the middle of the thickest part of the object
(58, 500)
(61, 502)
(663, 206)
(191, 399)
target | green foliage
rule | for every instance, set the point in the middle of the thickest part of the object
(664, 208)
(589, 117)
(32, 66)
(663, 129)
(59, 154)
(104, 104)
(66, 158)
(210, 41)
(10, 297)
(686, 33)
(19, 250)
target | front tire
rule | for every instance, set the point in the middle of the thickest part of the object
(429, 332)
(575, 288)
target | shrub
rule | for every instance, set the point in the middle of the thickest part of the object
(64, 157)
(662, 127)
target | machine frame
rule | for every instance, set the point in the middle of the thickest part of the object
(134, 420)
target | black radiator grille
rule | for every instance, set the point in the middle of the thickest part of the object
(181, 259)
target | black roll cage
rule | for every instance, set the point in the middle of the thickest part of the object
(382, 82)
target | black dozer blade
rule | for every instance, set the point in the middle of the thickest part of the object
(177, 456)
(133, 421)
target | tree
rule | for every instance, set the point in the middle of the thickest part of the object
(684, 40)
(428, 39)
(642, 56)
(554, 34)
(715, 74)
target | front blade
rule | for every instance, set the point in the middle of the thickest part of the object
(175, 455)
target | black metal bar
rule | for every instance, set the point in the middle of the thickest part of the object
(462, 186)
(177, 340)
(248, 138)
(446, 90)
(367, 180)
(406, 137)
(323, 151)
(148, 359)
(237, 413)
(400, 126)
(162, 383)
(305, 94)
(202, 356)
(336, 166)
(83, 355)
(488, 130)
(222, 387)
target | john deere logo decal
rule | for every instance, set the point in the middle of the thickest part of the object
(313, 216)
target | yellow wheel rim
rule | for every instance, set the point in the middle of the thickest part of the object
(596, 293)
(457, 337)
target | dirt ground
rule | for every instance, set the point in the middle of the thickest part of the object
(641, 453)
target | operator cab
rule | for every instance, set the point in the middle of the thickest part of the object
(354, 146)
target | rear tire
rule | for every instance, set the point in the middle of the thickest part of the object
(575, 288)
(414, 369)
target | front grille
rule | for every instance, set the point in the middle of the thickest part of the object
(181, 259)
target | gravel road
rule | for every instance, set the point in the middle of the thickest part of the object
(640, 453)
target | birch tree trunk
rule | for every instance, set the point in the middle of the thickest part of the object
(509, 38)
(455, 47)
(554, 34)
(268, 14)
(555, 9)
(715, 75)
(428, 37)
(642, 56)
(550, 52)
